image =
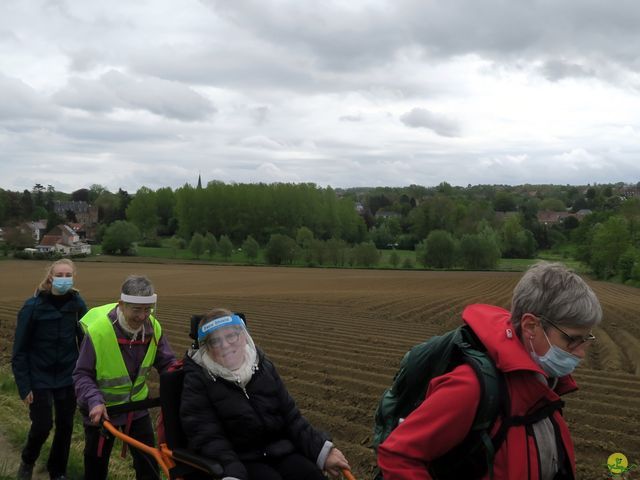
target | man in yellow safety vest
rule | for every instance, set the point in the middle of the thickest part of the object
(123, 341)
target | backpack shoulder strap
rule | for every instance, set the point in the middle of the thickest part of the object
(493, 392)
(494, 395)
(518, 420)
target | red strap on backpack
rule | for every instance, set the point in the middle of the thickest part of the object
(160, 430)
(100, 445)
(127, 428)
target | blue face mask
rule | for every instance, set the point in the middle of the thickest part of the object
(556, 362)
(62, 285)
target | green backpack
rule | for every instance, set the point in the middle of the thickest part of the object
(430, 359)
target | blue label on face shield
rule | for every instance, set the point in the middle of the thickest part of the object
(219, 323)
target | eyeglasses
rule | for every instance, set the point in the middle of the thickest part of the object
(230, 338)
(573, 341)
(146, 311)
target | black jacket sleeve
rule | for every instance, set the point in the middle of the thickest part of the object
(308, 440)
(20, 354)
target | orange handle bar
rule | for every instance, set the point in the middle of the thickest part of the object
(347, 474)
(136, 444)
(156, 454)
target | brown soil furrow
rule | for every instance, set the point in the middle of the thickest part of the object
(337, 337)
(608, 377)
(606, 354)
(630, 346)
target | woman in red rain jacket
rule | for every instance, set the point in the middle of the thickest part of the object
(536, 346)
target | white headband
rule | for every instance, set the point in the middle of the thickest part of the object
(139, 299)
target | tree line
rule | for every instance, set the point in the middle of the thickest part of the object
(467, 227)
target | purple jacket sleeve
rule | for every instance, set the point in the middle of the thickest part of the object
(87, 393)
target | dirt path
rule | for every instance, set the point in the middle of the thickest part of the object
(11, 461)
(10, 458)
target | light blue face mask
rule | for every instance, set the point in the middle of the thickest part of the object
(62, 285)
(556, 362)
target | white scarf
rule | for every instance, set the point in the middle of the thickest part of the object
(240, 375)
(122, 321)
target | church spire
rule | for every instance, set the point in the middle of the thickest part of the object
(199, 181)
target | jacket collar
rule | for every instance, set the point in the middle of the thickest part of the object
(493, 327)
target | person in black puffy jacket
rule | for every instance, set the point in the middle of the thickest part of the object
(236, 410)
(45, 350)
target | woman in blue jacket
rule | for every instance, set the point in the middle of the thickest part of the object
(45, 350)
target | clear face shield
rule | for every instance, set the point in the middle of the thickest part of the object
(137, 308)
(225, 340)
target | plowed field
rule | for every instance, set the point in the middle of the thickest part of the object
(337, 337)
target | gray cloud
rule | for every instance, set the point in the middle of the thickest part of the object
(84, 59)
(7, 37)
(554, 70)
(350, 118)
(117, 90)
(90, 95)
(152, 93)
(101, 133)
(260, 114)
(339, 37)
(423, 118)
(350, 37)
(235, 66)
(20, 102)
(260, 142)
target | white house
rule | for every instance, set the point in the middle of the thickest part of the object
(65, 240)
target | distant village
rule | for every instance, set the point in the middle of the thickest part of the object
(66, 239)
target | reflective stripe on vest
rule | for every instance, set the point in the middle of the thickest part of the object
(112, 376)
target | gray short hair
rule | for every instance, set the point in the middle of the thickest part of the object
(557, 293)
(138, 285)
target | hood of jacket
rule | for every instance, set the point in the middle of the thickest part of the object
(493, 327)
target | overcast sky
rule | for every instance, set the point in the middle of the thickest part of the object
(341, 93)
